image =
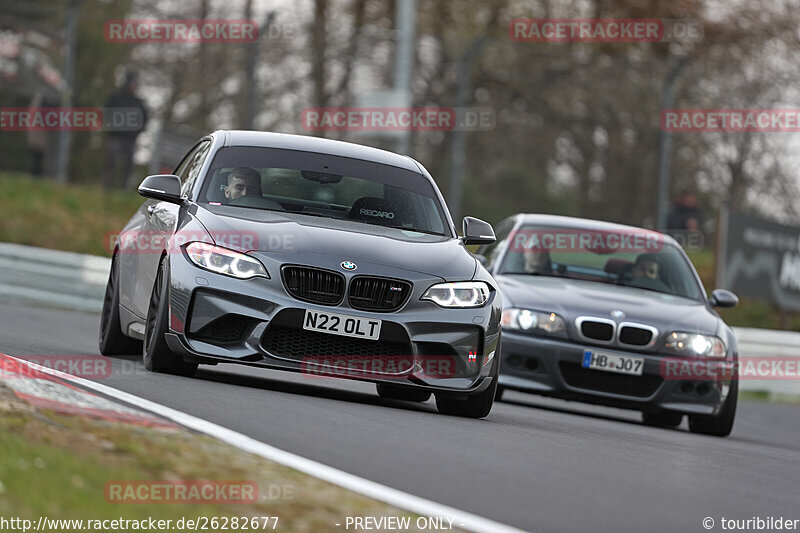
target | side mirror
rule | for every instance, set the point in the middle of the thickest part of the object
(164, 187)
(477, 231)
(723, 298)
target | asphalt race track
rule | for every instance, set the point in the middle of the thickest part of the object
(537, 464)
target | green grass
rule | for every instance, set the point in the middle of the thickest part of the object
(76, 218)
(765, 396)
(754, 395)
(58, 466)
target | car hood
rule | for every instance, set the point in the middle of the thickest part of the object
(292, 238)
(572, 298)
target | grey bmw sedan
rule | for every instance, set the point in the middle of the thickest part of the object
(612, 315)
(307, 255)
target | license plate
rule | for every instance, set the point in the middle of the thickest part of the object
(348, 326)
(622, 364)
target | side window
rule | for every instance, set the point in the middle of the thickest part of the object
(190, 168)
(182, 167)
(494, 250)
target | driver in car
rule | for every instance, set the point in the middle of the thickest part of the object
(645, 273)
(537, 261)
(645, 267)
(243, 181)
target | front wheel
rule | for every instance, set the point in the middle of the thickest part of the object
(721, 424)
(477, 406)
(156, 354)
(498, 395)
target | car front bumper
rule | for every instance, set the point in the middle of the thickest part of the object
(552, 367)
(216, 318)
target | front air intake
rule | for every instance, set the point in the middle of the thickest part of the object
(378, 294)
(599, 331)
(635, 336)
(314, 285)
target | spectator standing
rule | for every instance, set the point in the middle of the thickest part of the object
(685, 214)
(120, 144)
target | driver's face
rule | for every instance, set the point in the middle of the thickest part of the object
(646, 269)
(238, 187)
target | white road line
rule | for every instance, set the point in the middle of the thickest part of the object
(371, 489)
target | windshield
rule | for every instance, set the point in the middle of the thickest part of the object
(325, 186)
(634, 258)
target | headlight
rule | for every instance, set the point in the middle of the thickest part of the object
(533, 321)
(694, 345)
(461, 294)
(224, 261)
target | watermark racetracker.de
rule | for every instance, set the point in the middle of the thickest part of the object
(631, 241)
(389, 119)
(181, 492)
(606, 30)
(84, 366)
(91, 367)
(586, 241)
(745, 368)
(180, 31)
(777, 120)
(71, 119)
(155, 242)
(388, 367)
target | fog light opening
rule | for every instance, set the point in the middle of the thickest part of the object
(532, 364)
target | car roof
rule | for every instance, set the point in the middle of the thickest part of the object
(308, 143)
(582, 223)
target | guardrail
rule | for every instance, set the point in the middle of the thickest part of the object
(52, 278)
(769, 343)
(76, 281)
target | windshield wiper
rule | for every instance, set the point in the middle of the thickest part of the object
(307, 213)
(426, 232)
(313, 214)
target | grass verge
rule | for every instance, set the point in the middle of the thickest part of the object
(765, 396)
(57, 466)
(75, 218)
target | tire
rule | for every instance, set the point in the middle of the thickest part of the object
(720, 425)
(498, 395)
(477, 406)
(394, 392)
(156, 354)
(665, 419)
(111, 340)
